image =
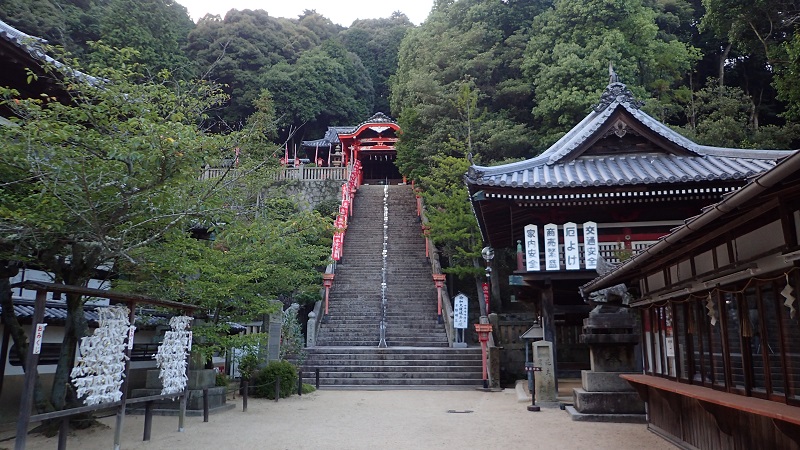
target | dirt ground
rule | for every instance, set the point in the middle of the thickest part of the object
(331, 419)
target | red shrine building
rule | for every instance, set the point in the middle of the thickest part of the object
(372, 142)
(610, 187)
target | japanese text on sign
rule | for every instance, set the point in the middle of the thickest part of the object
(552, 259)
(571, 251)
(532, 248)
(460, 311)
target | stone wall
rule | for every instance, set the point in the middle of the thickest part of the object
(310, 194)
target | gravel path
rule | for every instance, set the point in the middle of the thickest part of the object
(329, 419)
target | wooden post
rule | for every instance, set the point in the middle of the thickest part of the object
(31, 372)
(438, 279)
(246, 386)
(182, 410)
(300, 382)
(62, 433)
(121, 410)
(205, 404)
(277, 388)
(548, 322)
(148, 420)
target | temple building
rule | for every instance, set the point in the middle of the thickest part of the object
(718, 301)
(372, 142)
(609, 188)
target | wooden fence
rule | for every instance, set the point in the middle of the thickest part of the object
(301, 173)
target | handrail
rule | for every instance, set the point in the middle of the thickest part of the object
(436, 268)
(300, 173)
(305, 173)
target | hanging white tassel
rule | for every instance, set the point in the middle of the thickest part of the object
(712, 313)
(100, 365)
(787, 293)
(171, 355)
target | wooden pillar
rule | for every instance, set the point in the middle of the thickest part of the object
(549, 323)
(4, 355)
(121, 410)
(31, 372)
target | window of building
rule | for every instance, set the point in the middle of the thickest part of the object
(740, 338)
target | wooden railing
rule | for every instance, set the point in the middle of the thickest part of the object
(312, 173)
(216, 172)
(301, 173)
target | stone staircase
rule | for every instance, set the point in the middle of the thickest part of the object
(418, 353)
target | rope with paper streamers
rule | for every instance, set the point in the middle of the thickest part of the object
(100, 365)
(172, 353)
(787, 293)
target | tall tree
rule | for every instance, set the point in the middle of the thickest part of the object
(477, 43)
(236, 50)
(376, 42)
(327, 85)
(157, 29)
(577, 40)
(92, 181)
(237, 276)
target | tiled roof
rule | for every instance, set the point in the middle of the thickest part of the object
(565, 165)
(56, 313)
(331, 137)
(32, 45)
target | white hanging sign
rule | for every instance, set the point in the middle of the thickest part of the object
(172, 355)
(460, 309)
(37, 340)
(571, 252)
(100, 365)
(591, 246)
(131, 332)
(551, 257)
(532, 262)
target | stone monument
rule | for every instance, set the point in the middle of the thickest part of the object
(611, 334)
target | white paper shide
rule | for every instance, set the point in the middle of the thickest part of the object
(172, 355)
(100, 365)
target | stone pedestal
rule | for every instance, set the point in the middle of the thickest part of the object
(603, 395)
(199, 379)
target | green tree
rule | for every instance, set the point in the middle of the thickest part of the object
(573, 46)
(473, 43)
(157, 29)
(328, 85)
(91, 182)
(237, 50)
(238, 276)
(454, 230)
(377, 42)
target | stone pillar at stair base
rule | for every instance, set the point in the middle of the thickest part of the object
(544, 379)
(603, 395)
(311, 339)
(274, 337)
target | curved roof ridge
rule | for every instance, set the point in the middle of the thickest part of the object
(32, 45)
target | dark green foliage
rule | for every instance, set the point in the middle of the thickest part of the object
(577, 40)
(221, 380)
(376, 42)
(156, 29)
(264, 379)
(327, 85)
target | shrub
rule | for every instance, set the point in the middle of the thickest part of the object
(308, 388)
(222, 380)
(265, 379)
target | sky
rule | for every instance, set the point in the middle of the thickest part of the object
(342, 12)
